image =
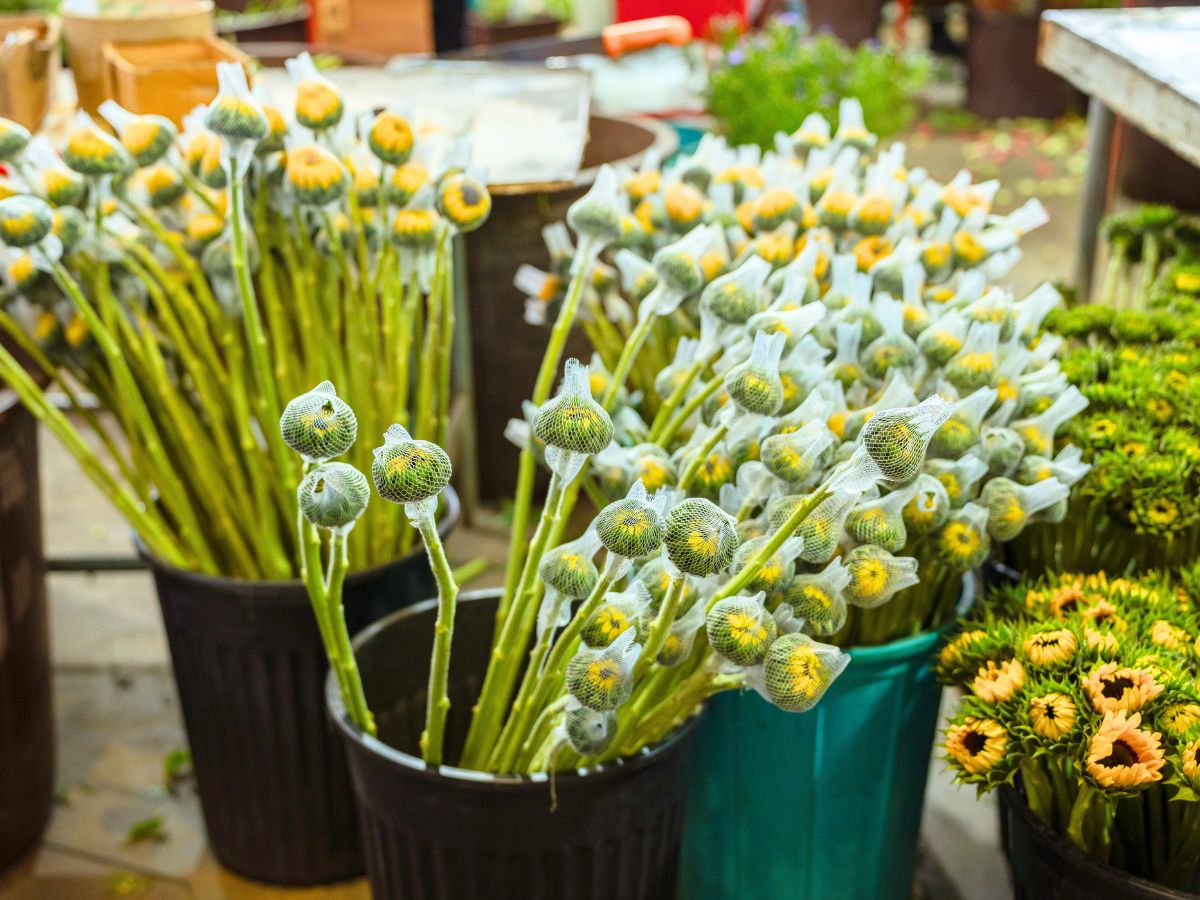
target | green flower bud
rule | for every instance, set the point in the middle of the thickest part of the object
(797, 671)
(700, 538)
(735, 297)
(390, 138)
(755, 385)
(773, 575)
(741, 629)
(589, 732)
(876, 576)
(407, 470)
(602, 679)
(319, 425)
(631, 527)
(69, 226)
(963, 542)
(929, 507)
(596, 214)
(13, 138)
(896, 439)
(1003, 448)
(89, 151)
(235, 114)
(572, 420)
(24, 220)
(569, 568)
(464, 201)
(817, 598)
(334, 495)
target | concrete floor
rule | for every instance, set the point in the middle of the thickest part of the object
(118, 716)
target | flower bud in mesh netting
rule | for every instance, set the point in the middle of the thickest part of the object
(881, 521)
(960, 432)
(632, 527)
(146, 138)
(963, 542)
(943, 339)
(776, 572)
(404, 183)
(318, 103)
(90, 151)
(235, 114)
(407, 470)
(315, 176)
(701, 538)
(974, 366)
(319, 425)
(755, 385)
(651, 465)
(1010, 506)
(1003, 449)
(959, 477)
(276, 130)
(1038, 431)
(1068, 467)
(570, 569)
(464, 201)
(797, 457)
(893, 349)
(876, 576)
(13, 138)
(896, 439)
(597, 214)
(929, 507)
(817, 598)
(62, 186)
(682, 636)
(619, 611)
(415, 229)
(736, 296)
(798, 670)
(162, 183)
(572, 420)
(24, 220)
(822, 529)
(678, 264)
(741, 629)
(602, 678)
(656, 577)
(390, 138)
(589, 732)
(334, 495)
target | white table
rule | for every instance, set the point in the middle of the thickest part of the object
(1140, 64)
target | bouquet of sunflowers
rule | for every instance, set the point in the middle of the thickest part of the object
(192, 282)
(1139, 369)
(1082, 691)
(763, 490)
(876, 283)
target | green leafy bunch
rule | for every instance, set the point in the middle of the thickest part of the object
(768, 82)
(1082, 690)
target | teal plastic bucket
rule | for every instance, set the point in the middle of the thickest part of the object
(824, 804)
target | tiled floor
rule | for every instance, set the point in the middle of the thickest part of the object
(118, 719)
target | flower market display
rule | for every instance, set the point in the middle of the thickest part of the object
(193, 282)
(1081, 690)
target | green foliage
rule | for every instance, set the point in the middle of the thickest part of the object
(769, 82)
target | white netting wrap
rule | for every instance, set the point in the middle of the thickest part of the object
(741, 629)
(798, 670)
(319, 425)
(569, 568)
(597, 214)
(700, 538)
(881, 521)
(963, 542)
(893, 348)
(235, 114)
(1038, 431)
(588, 731)
(798, 457)
(818, 599)
(1003, 450)
(602, 678)
(678, 264)
(681, 637)
(333, 495)
(632, 527)
(929, 507)
(736, 296)
(1011, 506)
(943, 338)
(960, 477)
(618, 612)
(776, 572)
(960, 432)
(755, 385)
(409, 471)
(876, 575)
(896, 439)
(572, 420)
(1068, 467)
(974, 366)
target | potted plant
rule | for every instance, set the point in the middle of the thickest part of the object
(1081, 706)
(191, 285)
(892, 279)
(771, 81)
(500, 21)
(553, 714)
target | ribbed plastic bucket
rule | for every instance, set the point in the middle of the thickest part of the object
(824, 804)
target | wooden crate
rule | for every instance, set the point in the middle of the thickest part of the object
(167, 77)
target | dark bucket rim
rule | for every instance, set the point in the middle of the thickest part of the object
(452, 508)
(1059, 845)
(415, 767)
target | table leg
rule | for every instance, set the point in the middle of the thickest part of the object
(1095, 182)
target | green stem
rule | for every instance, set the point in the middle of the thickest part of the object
(355, 699)
(698, 458)
(438, 703)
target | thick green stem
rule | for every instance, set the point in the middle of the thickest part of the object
(699, 457)
(353, 696)
(438, 703)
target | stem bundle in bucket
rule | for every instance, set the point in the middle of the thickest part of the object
(752, 494)
(192, 283)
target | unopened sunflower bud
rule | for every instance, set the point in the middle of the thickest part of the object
(881, 521)
(631, 527)
(276, 130)
(390, 138)
(817, 598)
(963, 542)
(315, 176)
(678, 264)
(572, 420)
(960, 432)
(406, 470)
(235, 114)
(147, 138)
(464, 201)
(755, 385)
(89, 151)
(618, 612)
(569, 568)
(334, 495)
(416, 228)
(876, 576)
(13, 138)
(602, 679)
(1010, 506)
(1003, 449)
(929, 507)
(1038, 431)
(163, 184)
(741, 629)
(798, 670)
(896, 439)
(588, 731)
(405, 182)
(597, 213)
(319, 425)
(318, 104)
(24, 220)
(776, 572)
(798, 456)
(735, 296)
(700, 538)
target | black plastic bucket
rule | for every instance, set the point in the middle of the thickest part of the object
(454, 834)
(250, 671)
(1044, 866)
(26, 712)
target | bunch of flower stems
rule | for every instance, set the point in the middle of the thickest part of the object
(1080, 691)
(1139, 244)
(189, 285)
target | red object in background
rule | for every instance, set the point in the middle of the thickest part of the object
(627, 37)
(697, 12)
